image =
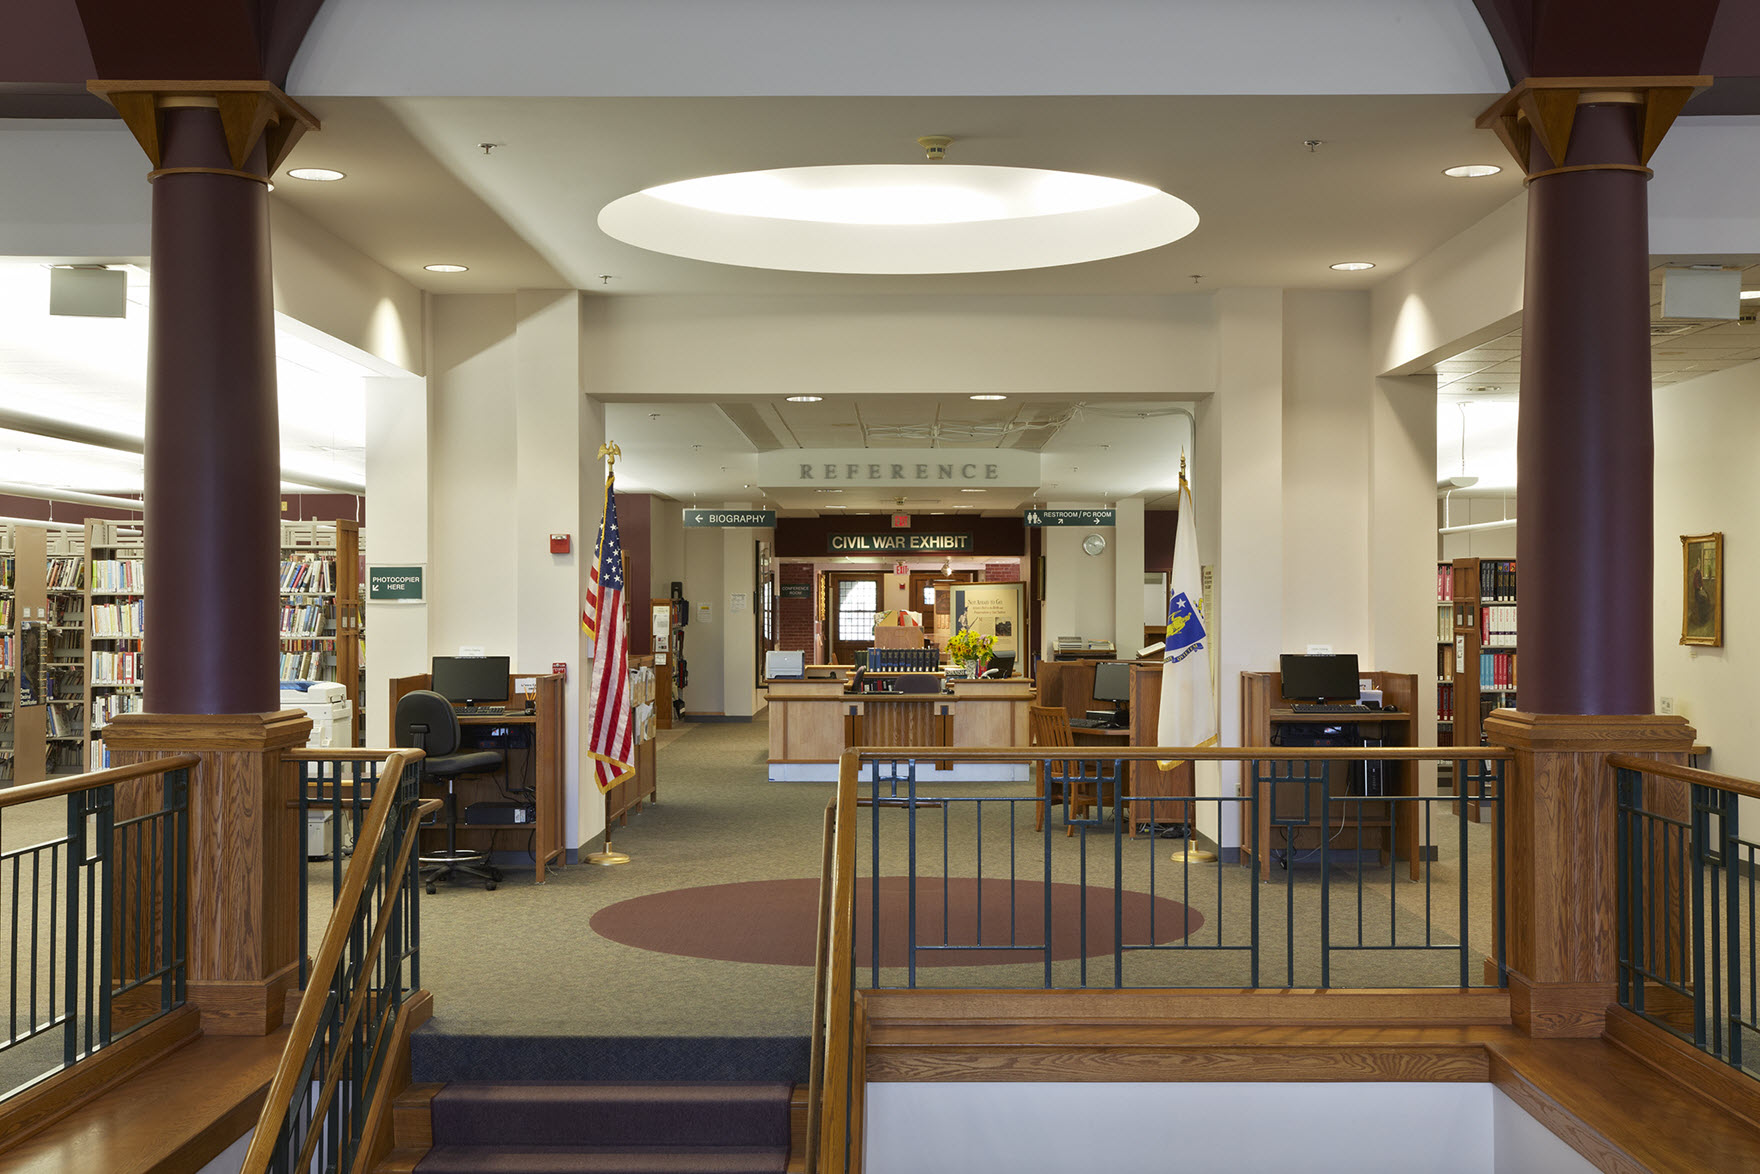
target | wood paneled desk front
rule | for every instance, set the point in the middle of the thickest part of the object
(534, 753)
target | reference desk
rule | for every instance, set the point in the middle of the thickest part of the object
(813, 721)
(533, 744)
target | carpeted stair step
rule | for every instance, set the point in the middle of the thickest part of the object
(612, 1116)
(521, 1159)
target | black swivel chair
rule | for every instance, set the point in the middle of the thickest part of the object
(426, 721)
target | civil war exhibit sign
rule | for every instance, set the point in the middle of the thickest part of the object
(885, 543)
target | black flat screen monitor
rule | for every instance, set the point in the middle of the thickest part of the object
(1001, 664)
(1112, 681)
(466, 679)
(1320, 678)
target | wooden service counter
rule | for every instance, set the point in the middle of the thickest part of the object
(813, 721)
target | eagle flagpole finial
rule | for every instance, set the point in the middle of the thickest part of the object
(610, 452)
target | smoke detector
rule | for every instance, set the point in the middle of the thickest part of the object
(934, 147)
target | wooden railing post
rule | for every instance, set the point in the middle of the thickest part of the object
(1560, 814)
(243, 855)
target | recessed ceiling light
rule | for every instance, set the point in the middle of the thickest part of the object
(827, 491)
(1353, 266)
(315, 174)
(1472, 170)
(986, 397)
(1750, 293)
(446, 268)
(890, 218)
(971, 491)
(805, 399)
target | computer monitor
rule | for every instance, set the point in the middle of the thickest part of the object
(464, 680)
(1112, 680)
(1001, 665)
(1319, 678)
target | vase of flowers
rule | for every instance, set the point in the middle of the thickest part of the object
(970, 647)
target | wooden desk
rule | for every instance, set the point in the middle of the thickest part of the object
(541, 760)
(1264, 711)
(812, 721)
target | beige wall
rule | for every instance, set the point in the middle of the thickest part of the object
(332, 286)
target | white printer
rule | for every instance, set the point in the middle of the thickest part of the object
(327, 704)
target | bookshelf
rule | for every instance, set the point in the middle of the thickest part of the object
(8, 651)
(1485, 661)
(1445, 654)
(114, 613)
(667, 620)
(322, 636)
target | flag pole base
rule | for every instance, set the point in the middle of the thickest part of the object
(608, 857)
(1188, 854)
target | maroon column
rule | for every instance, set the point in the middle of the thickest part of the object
(1584, 440)
(212, 445)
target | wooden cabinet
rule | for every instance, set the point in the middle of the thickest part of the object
(1291, 818)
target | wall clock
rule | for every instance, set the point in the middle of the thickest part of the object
(1094, 543)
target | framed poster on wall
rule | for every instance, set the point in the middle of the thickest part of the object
(992, 609)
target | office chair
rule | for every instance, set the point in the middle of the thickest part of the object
(426, 721)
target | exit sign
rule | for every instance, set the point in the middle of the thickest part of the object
(901, 521)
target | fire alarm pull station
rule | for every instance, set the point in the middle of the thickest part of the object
(558, 544)
(559, 667)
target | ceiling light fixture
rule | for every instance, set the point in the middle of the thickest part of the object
(987, 397)
(446, 268)
(1750, 294)
(899, 218)
(805, 399)
(1353, 266)
(1471, 170)
(316, 174)
(971, 491)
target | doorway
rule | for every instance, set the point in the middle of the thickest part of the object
(853, 604)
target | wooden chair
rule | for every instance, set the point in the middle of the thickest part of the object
(1048, 725)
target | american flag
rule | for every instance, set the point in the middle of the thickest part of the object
(606, 618)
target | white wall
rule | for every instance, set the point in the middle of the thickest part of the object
(1707, 480)
(1462, 293)
(1126, 542)
(1079, 587)
(1461, 511)
(706, 641)
(1326, 471)
(332, 286)
(73, 188)
(1441, 1128)
(398, 534)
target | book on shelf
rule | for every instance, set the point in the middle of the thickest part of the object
(1444, 583)
(66, 572)
(1445, 701)
(121, 576)
(110, 621)
(1497, 579)
(311, 619)
(307, 576)
(116, 668)
(1497, 623)
(1497, 671)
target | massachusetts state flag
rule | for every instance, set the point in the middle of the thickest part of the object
(1188, 711)
(611, 726)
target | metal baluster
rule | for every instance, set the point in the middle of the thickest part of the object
(1728, 851)
(1118, 819)
(104, 799)
(910, 944)
(1465, 907)
(1326, 875)
(76, 848)
(1045, 874)
(1252, 802)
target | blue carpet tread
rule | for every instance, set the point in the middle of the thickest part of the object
(598, 1160)
(611, 1116)
(438, 1056)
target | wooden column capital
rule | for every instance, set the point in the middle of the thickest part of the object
(1560, 866)
(1544, 109)
(249, 111)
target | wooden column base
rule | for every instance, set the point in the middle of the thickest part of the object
(243, 946)
(1560, 866)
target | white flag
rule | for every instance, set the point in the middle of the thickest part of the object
(1188, 712)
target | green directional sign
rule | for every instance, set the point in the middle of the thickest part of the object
(1072, 517)
(394, 585)
(730, 519)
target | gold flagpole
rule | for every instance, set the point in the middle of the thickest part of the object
(610, 452)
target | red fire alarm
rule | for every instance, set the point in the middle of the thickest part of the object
(558, 544)
(560, 668)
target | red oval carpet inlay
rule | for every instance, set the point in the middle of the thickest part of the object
(776, 921)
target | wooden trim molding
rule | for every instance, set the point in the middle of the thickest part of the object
(250, 111)
(1595, 733)
(1675, 1059)
(1545, 109)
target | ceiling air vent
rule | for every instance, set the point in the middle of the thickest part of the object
(1664, 329)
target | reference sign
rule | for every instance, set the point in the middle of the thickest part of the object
(899, 543)
(1072, 517)
(394, 584)
(729, 519)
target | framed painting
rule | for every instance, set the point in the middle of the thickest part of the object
(1702, 589)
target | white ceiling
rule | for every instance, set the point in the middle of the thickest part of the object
(92, 371)
(1479, 389)
(1093, 452)
(420, 189)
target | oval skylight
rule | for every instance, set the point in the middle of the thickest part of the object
(886, 218)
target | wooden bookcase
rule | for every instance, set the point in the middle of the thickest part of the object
(1445, 663)
(115, 604)
(321, 614)
(627, 797)
(1485, 662)
(9, 645)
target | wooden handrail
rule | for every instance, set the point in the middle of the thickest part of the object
(1194, 753)
(50, 788)
(1685, 774)
(306, 1021)
(346, 754)
(836, 1067)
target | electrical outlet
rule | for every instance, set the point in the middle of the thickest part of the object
(1665, 705)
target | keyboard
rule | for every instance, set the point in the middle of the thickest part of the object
(482, 710)
(1336, 709)
(1092, 723)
